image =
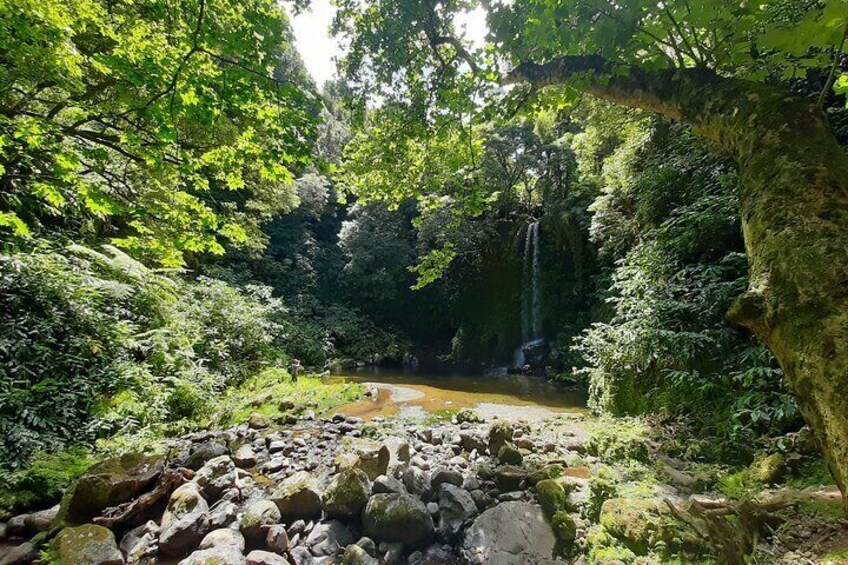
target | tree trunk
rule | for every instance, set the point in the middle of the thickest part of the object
(794, 208)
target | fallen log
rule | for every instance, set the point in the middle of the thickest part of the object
(169, 480)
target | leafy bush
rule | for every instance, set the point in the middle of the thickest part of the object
(93, 344)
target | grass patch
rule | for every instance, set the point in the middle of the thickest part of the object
(618, 439)
(41, 485)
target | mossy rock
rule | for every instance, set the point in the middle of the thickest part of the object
(643, 524)
(509, 455)
(553, 495)
(89, 544)
(106, 484)
(298, 497)
(398, 518)
(469, 416)
(347, 494)
(768, 470)
(565, 530)
(500, 433)
(546, 472)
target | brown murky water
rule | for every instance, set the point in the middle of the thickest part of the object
(416, 394)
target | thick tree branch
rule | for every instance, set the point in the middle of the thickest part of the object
(461, 51)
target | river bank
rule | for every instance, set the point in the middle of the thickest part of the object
(415, 480)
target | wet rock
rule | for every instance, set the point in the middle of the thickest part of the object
(509, 455)
(216, 476)
(108, 483)
(417, 482)
(500, 433)
(89, 544)
(387, 485)
(328, 539)
(258, 515)
(244, 457)
(398, 517)
(444, 475)
(216, 556)
(277, 539)
(347, 494)
(184, 522)
(356, 555)
(298, 497)
(455, 507)
(512, 533)
(258, 557)
(140, 542)
(223, 537)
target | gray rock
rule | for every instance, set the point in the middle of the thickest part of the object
(417, 481)
(204, 452)
(216, 476)
(257, 421)
(140, 542)
(184, 522)
(298, 497)
(434, 555)
(444, 475)
(244, 457)
(277, 539)
(398, 517)
(512, 533)
(23, 554)
(223, 537)
(216, 556)
(387, 485)
(455, 507)
(89, 544)
(222, 514)
(470, 442)
(347, 494)
(258, 557)
(328, 539)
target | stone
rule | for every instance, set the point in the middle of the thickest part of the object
(347, 494)
(245, 457)
(387, 485)
(259, 557)
(398, 517)
(328, 539)
(184, 522)
(511, 533)
(368, 545)
(641, 524)
(215, 556)
(500, 433)
(393, 554)
(258, 515)
(509, 477)
(509, 455)
(553, 495)
(768, 470)
(444, 475)
(23, 554)
(356, 555)
(417, 481)
(471, 442)
(204, 452)
(217, 475)
(28, 525)
(222, 514)
(223, 537)
(373, 460)
(565, 531)
(89, 544)
(277, 539)
(434, 555)
(140, 542)
(481, 499)
(298, 496)
(455, 507)
(106, 484)
(257, 421)
(546, 472)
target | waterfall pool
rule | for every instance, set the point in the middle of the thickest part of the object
(415, 394)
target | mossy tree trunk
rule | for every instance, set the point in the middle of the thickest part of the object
(794, 208)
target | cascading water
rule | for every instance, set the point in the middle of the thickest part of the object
(531, 298)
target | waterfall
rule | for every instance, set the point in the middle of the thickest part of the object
(531, 298)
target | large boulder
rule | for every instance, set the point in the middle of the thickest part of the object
(347, 494)
(398, 517)
(185, 522)
(140, 543)
(108, 483)
(223, 537)
(23, 554)
(328, 539)
(298, 496)
(89, 544)
(370, 457)
(259, 557)
(215, 556)
(455, 507)
(417, 481)
(355, 555)
(511, 533)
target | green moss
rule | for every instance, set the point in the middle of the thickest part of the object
(468, 415)
(829, 508)
(44, 481)
(835, 557)
(553, 495)
(564, 529)
(812, 473)
(618, 439)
